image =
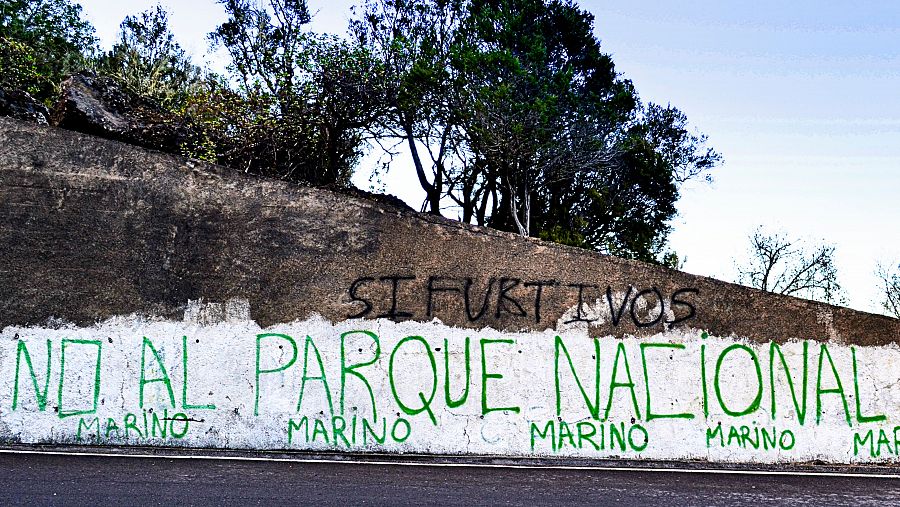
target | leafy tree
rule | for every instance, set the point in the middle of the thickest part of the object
(576, 157)
(344, 96)
(527, 65)
(312, 97)
(414, 40)
(621, 195)
(148, 60)
(526, 123)
(890, 287)
(778, 264)
(265, 45)
(20, 67)
(54, 41)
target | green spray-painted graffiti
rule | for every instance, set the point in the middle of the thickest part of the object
(361, 389)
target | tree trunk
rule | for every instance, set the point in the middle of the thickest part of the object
(432, 192)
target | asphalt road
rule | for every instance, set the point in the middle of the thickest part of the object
(30, 479)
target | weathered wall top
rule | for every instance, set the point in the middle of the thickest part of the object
(94, 228)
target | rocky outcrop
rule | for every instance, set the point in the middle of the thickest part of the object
(22, 106)
(101, 107)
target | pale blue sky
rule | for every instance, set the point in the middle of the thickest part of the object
(802, 98)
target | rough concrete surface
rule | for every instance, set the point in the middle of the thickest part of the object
(95, 228)
(153, 300)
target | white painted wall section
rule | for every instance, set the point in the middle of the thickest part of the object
(217, 380)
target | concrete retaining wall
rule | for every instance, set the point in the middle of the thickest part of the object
(151, 300)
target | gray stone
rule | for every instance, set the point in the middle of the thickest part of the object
(22, 106)
(101, 107)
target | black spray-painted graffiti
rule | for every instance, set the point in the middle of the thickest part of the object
(500, 297)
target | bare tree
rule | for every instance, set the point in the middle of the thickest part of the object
(779, 264)
(890, 285)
